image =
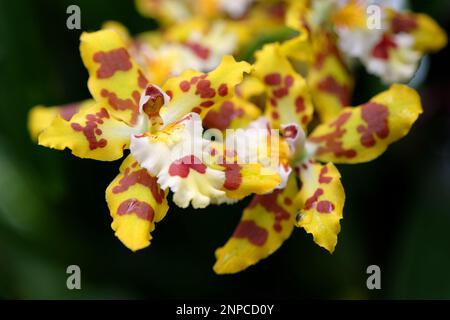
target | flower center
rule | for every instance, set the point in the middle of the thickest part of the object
(151, 103)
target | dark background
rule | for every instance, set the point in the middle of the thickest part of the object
(53, 213)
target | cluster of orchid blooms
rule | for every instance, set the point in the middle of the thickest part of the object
(154, 94)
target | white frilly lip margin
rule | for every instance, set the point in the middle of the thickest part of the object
(401, 64)
(200, 189)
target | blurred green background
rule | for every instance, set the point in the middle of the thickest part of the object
(53, 213)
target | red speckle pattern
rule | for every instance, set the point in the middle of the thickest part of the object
(200, 51)
(141, 209)
(195, 79)
(275, 115)
(273, 79)
(313, 199)
(182, 167)
(289, 81)
(233, 177)
(280, 93)
(323, 206)
(376, 116)
(331, 142)
(287, 201)
(381, 50)
(270, 203)
(329, 51)
(299, 104)
(69, 110)
(140, 177)
(248, 229)
(223, 90)
(204, 89)
(331, 86)
(90, 129)
(281, 85)
(111, 62)
(305, 119)
(222, 118)
(290, 132)
(123, 104)
(207, 104)
(404, 23)
(185, 86)
(322, 176)
(142, 80)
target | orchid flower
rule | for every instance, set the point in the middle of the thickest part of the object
(390, 44)
(162, 127)
(192, 45)
(313, 198)
(393, 49)
(327, 74)
(332, 33)
(158, 59)
(246, 18)
(197, 43)
(171, 97)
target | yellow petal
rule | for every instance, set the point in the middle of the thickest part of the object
(91, 133)
(266, 223)
(250, 87)
(288, 99)
(328, 78)
(351, 15)
(166, 11)
(41, 117)
(258, 144)
(199, 92)
(115, 80)
(299, 48)
(120, 29)
(242, 180)
(232, 114)
(363, 133)
(322, 200)
(296, 14)
(136, 203)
